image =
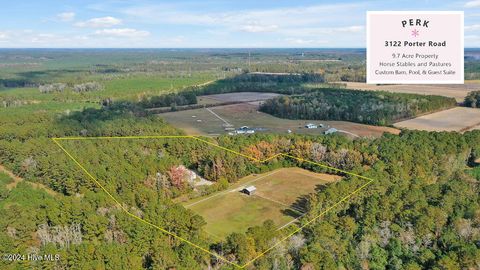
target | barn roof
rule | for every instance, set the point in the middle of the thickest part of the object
(250, 188)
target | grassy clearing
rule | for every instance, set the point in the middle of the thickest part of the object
(236, 212)
(277, 194)
(278, 186)
(131, 87)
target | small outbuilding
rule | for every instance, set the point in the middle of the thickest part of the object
(250, 190)
(331, 131)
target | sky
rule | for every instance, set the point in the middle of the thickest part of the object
(204, 23)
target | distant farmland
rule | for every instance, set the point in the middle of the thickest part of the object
(457, 119)
(457, 91)
(203, 122)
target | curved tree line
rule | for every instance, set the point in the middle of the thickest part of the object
(376, 108)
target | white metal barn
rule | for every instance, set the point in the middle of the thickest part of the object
(250, 190)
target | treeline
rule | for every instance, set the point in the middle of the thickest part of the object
(369, 107)
(472, 67)
(170, 100)
(472, 99)
(10, 83)
(255, 82)
(78, 88)
(251, 82)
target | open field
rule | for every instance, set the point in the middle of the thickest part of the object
(134, 86)
(278, 186)
(457, 91)
(456, 119)
(236, 212)
(241, 96)
(234, 97)
(277, 193)
(203, 122)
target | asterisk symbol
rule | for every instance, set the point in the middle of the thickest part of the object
(415, 33)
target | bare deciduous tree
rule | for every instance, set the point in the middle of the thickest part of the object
(114, 233)
(29, 164)
(318, 152)
(60, 235)
(54, 87)
(464, 228)
(12, 232)
(384, 233)
(295, 243)
(87, 87)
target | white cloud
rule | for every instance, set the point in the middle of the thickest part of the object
(472, 4)
(31, 38)
(122, 32)
(471, 38)
(194, 26)
(176, 40)
(257, 28)
(3, 36)
(43, 38)
(304, 42)
(472, 27)
(66, 16)
(472, 41)
(279, 17)
(315, 31)
(350, 29)
(103, 22)
(162, 14)
(302, 24)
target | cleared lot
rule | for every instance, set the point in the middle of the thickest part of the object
(457, 119)
(240, 97)
(203, 122)
(275, 199)
(457, 91)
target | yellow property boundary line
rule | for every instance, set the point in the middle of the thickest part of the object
(369, 181)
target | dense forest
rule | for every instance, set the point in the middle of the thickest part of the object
(376, 108)
(252, 82)
(170, 100)
(417, 214)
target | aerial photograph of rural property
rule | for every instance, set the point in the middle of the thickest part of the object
(223, 135)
